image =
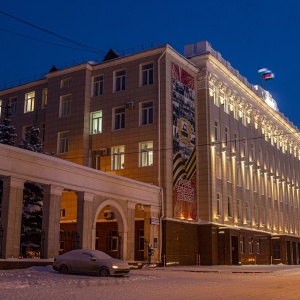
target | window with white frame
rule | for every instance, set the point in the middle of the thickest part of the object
(238, 176)
(212, 95)
(29, 102)
(247, 212)
(63, 142)
(226, 105)
(239, 209)
(254, 181)
(44, 98)
(236, 111)
(250, 245)
(242, 248)
(119, 118)
(229, 206)
(218, 167)
(247, 179)
(120, 80)
(146, 154)
(220, 98)
(96, 122)
(66, 82)
(228, 170)
(217, 131)
(146, 113)
(252, 152)
(117, 157)
(13, 103)
(65, 105)
(146, 74)
(98, 82)
(219, 204)
(227, 137)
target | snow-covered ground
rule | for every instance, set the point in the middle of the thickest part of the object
(214, 282)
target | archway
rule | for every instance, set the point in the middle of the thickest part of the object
(110, 229)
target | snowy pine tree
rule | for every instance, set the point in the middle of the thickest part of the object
(7, 131)
(32, 140)
(32, 216)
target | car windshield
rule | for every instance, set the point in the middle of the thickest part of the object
(99, 254)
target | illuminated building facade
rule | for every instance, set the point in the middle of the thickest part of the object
(225, 157)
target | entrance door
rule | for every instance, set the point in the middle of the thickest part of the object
(221, 248)
(288, 253)
(235, 250)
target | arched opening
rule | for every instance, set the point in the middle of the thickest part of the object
(110, 229)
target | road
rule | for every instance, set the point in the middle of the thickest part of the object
(158, 283)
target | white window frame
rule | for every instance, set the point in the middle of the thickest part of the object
(65, 105)
(119, 118)
(146, 154)
(146, 113)
(29, 102)
(120, 80)
(67, 82)
(96, 122)
(98, 85)
(217, 131)
(63, 142)
(229, 207)
(146, 75)
(117, 157)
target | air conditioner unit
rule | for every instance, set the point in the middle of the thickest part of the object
(129, 105)
(104, 151)
(108, 215)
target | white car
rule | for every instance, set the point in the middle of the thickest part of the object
(90, 262)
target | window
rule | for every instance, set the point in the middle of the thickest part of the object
(262, 184)
(29, 102)
(63, 142)
(242, 248)
(114, 245)
(120, 80)
(66, 83)
(65, 105)
(247, 212)
(63, 213)
(217, 132)
(146, 113)
(276, 248)
(118, 157)
(219, 205)
(258, 246)
(229, 206)
(254, 182)
(226, 136)
(247, 179)
(255, 213)
(250, 245)
(235, 142)
(263, 215)
(238, 176)
(119, 118)
(218, 167)
(45, 98)
(228, 170)
(212, 95)
(236, 112)
(96, 122)
(252, 152)
(141, 240)
(146, 154)
(147, 74)
(97, 86)
(226, 105)
(95, 160)
(239, 209)
(13, 102)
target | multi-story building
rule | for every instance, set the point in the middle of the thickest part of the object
(226, 158)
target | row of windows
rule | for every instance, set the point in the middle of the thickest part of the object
(273, 217)
(117, 153)
(146, 78)
(279, 190)
(119, 80)
(119, 117)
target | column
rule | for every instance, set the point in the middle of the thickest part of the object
(51, 220)
(85, 218)
(131, 232)
(12, 205)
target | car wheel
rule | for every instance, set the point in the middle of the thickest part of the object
(104, 272)
(63, 269)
